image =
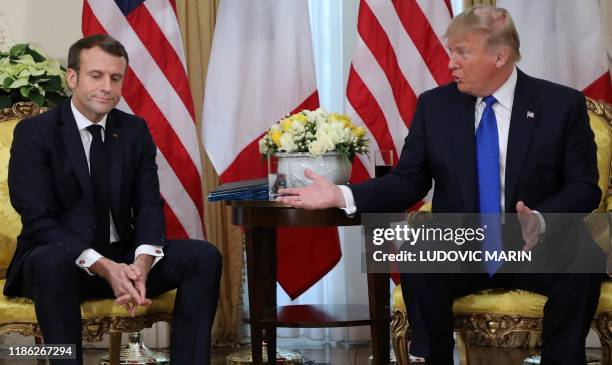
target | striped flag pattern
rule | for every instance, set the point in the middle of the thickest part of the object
(399, 54)
(156, 88)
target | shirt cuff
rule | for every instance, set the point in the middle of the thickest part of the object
(155, 251)
(88, 258)
(542, 221)
(349, 200)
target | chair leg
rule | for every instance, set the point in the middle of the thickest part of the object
(400, 334)
(605, 337)
(462, 345)
(114, 350)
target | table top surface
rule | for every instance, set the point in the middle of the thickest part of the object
(263, 213)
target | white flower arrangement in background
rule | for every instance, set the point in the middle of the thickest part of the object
(316, 133)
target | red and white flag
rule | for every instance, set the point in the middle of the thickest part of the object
(399, 54)
(156, 88)
(261, 69)
(563, 41)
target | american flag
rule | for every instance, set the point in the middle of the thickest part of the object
(156, 88)
(399, 54)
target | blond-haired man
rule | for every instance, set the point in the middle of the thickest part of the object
(494, 140)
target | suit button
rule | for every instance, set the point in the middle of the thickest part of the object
(92, 229)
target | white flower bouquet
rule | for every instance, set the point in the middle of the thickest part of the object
(315, 133)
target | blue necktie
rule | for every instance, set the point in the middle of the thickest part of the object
(487, 156)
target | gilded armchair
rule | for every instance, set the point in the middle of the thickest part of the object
(513, 318)
(100, 317)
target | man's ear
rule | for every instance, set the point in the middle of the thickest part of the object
(72, 78)
(502, 55)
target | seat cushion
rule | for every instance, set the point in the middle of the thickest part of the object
(11, 223)
(22, 309)
(511, 302)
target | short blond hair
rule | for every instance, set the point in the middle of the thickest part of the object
(494, 23)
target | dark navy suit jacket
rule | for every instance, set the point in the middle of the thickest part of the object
(551, 165)
(50, 186)
(551, 162)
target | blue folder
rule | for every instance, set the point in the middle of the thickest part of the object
(254, 189)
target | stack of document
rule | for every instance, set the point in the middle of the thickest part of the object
(255, 189)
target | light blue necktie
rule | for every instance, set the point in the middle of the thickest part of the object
(487, 156)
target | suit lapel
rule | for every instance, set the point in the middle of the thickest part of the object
(522, 125)
(71, 139)
(465, 149)
(112, 139)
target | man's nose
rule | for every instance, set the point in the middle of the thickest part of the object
(106, 84)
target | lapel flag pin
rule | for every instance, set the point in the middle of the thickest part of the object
(115, 135)
(530, 114)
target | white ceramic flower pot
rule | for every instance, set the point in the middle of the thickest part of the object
(331, 165)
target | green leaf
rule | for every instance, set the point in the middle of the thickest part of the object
(24, 73)
(35, 55)
(18, 83)
(18, 49)
(55, 82)
(7, 81)
(5, 101)
(24, 91)
(37, 98)
(35, 71)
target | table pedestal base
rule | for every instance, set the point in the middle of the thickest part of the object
(245, 357)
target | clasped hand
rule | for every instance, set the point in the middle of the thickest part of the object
(127, 281)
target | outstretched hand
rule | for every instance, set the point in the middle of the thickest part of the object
(530, 225)
(321, 194)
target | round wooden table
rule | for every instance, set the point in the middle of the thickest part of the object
(260, 220)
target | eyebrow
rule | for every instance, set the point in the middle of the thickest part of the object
(102, 72)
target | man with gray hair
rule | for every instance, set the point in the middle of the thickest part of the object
(494, 140)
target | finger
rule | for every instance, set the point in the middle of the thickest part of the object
(311, 175)
(293, 201)
(522, 208)
(129, 273)
(136, 269)
(132, 309)
(289, 191)
(147, 302)
(130, 289)
(124, 299)
(142, 289)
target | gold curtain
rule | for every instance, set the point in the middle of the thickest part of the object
(469, 3)
(197, 22)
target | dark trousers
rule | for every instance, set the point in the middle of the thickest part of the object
(572, 302)
(57, 286)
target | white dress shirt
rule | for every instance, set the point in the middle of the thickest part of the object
(90, 256)
(503, 111)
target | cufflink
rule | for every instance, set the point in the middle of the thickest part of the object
(81, 262)
(158, 251)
